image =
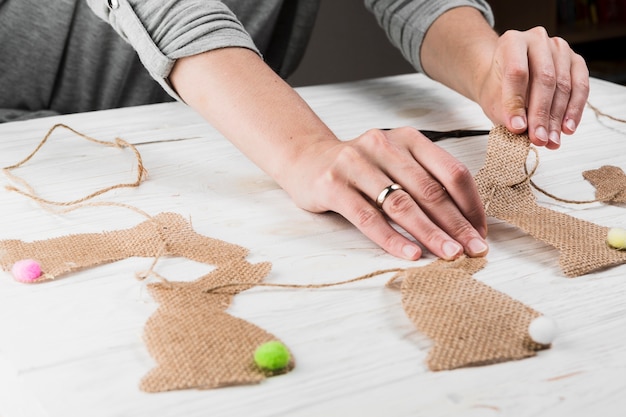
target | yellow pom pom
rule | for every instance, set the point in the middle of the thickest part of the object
(616, 238)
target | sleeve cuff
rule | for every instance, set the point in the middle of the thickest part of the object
(163, 31)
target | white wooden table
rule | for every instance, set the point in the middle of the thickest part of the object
(73, 346)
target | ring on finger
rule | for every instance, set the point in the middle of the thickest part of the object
(385, 193)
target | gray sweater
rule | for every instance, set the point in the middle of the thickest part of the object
(66, 56)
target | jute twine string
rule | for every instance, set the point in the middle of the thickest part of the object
(215, 289)
(529, 174)
(582, 244)
(190, 328)
(69, 206)
(553, 196)
(599, 113)
(545, 192)
(141, 174)
(528, 178)
(118, 143)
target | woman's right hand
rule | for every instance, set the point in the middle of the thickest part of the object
(438, 204)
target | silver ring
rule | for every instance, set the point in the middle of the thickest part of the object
(385, 193)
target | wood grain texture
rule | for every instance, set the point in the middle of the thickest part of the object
(73, 346)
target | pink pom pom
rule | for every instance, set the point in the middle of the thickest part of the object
(26, 270)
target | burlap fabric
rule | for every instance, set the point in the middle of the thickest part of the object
(194, 341)
(197, 344)
(610, 183)
(469, 322)
(505, 189)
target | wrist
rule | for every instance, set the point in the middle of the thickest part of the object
(458, 51)
(251, 106)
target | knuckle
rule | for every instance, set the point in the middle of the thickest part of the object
(389, 240)
(580, 62)
(539, 31)
(431, 192)
(376, 140)
(515, 102)
(412, 135)
(408, 131)
(515, 73)
(583, 85)
(510, 35)
(461, 228)
(373, 134)
(542, 114)
(560, 43)
(330, 177)
(564, 85)
(399, 203)
(330, 185)
(546, 77)
(346, 155)
(334, 176)
(582, 82)
(366, 216)
(474, 212)
(431, 237)
(459, 173)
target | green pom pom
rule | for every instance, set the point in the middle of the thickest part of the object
(272, 356)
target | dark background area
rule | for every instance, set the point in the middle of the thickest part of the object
(347, 44)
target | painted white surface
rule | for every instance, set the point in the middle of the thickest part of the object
(73, 347)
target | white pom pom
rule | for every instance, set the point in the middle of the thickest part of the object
(542, 330)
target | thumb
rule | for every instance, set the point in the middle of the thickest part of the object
(515, 114)
(517, 123)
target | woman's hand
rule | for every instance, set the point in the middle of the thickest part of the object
(535, 83)
(526, 81)
(438, 204)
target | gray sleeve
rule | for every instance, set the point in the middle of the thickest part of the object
(406, 21)
(162, 31)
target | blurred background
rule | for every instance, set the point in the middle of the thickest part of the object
(348, 45)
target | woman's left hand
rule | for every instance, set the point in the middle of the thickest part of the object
(535, 83)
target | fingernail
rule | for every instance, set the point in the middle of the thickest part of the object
(571, 125)
(409, 251)
(541, 134)
(477, 246)
(555, 137)
(451, 249)
(518, 122)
